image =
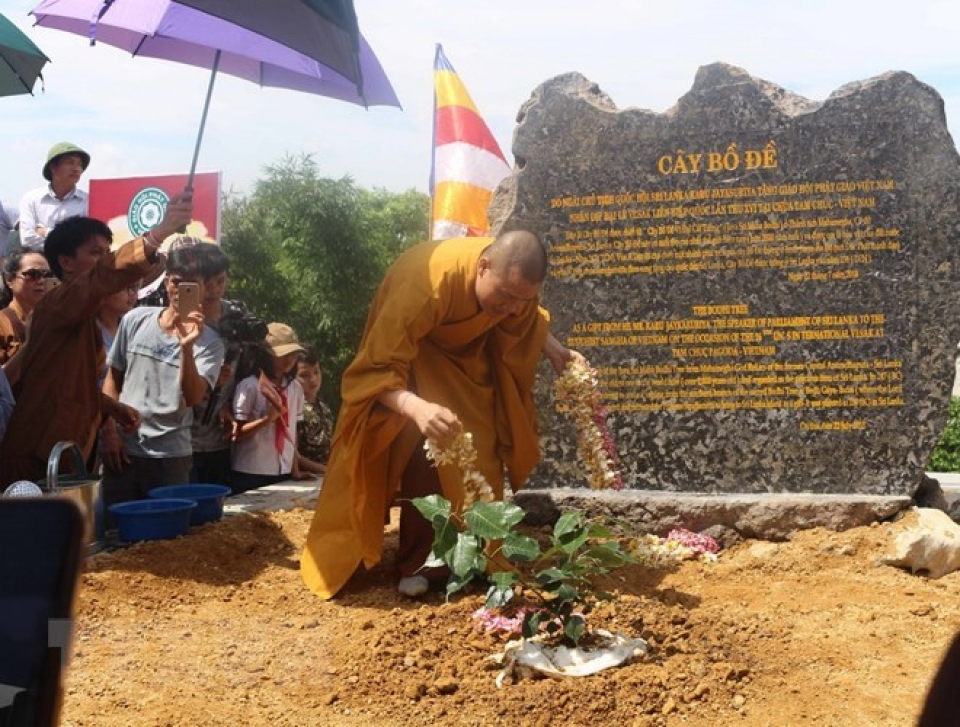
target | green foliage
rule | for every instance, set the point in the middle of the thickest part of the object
(946, 455)
(310, 252)
(560, 576)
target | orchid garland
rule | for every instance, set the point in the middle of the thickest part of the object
(680, 544)
(577, 387)
(463, 455)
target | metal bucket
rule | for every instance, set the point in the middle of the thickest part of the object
(83, 489)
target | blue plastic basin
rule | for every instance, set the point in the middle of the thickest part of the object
(209, 499)
(152, 519)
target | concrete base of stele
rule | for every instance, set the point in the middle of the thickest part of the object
(728, 518)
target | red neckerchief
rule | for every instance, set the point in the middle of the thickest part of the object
(280, 435)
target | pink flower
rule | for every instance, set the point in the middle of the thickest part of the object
(490, 621)
(697, 542)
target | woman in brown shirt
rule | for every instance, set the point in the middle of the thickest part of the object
(24, 281)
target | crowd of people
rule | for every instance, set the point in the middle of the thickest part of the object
(159, 392)
(94, 351)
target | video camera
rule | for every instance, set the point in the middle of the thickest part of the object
(238, 326)
(240, 330)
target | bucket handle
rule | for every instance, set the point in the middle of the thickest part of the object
(53, 463)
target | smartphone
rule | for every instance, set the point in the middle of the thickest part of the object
(50, 283)
(188, 299)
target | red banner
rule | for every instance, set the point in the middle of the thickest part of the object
(133, 205)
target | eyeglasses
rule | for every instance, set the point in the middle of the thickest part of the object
(35, 274)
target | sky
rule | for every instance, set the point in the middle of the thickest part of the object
(139, 116)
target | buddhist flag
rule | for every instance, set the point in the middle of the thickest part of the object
(467, 161)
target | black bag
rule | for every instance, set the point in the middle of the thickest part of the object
(41, 552)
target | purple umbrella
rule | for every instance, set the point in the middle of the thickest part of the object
(177, 32)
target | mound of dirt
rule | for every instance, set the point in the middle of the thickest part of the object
(217, 629)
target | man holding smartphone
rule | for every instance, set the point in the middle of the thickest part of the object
(55, 374)
(162, 363)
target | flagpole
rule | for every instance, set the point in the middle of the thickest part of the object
(433, 143)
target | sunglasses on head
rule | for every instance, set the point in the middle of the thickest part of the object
(34, 274)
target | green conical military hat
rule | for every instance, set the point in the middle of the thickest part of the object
(58, 150)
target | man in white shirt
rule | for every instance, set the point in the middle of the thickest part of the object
(42, 209)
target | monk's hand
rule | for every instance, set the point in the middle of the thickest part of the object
(577, 357)
(436, 422)
(559, 355)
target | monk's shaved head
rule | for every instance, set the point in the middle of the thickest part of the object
(520, 250)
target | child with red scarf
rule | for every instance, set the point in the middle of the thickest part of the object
(267, 405)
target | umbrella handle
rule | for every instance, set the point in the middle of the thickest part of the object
(188, 190)
(203, 118)
(187, 194)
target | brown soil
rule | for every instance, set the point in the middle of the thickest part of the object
(217, 629)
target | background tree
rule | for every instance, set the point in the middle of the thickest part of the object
(310, 251)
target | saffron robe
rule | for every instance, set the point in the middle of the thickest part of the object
(427, 332)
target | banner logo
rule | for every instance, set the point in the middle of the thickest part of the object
(146, 210)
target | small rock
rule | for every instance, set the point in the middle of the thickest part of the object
(738, 701)
(446, 685)
(763, 550)
(930, 495)
(415, 692)
(932, 546)
(669, 706)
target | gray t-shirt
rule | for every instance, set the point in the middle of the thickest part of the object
(150, 361)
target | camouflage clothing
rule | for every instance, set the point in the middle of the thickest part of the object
(315, 431)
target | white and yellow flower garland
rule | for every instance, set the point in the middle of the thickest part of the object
(679, 544)
(463, 455)
(577, 388)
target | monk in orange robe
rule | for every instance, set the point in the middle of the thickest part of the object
(451, 344)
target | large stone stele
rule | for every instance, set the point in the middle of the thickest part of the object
(767, 284)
